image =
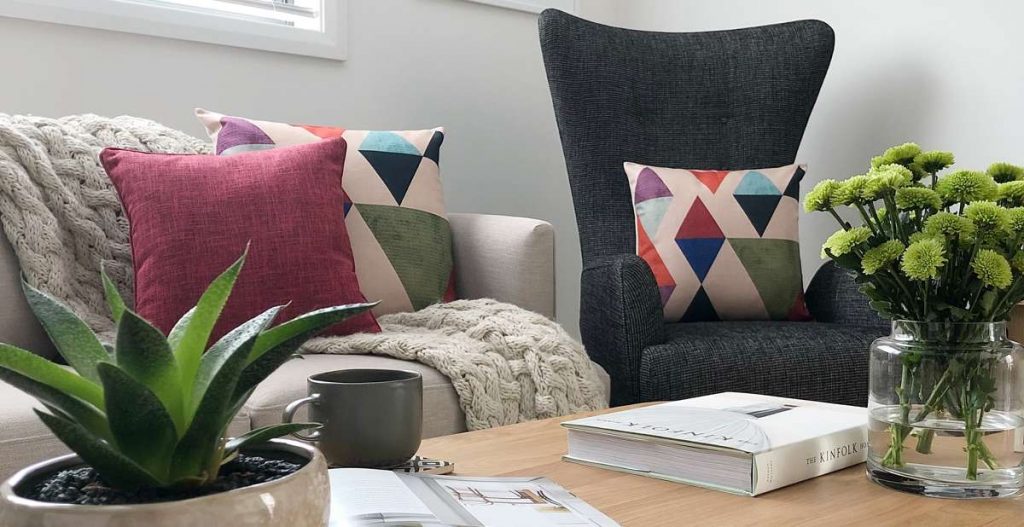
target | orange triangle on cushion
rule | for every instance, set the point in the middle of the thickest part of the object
(711, 179)
(323, 132)
(647, 251)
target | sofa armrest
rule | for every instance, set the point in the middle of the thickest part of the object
(620, 316)
(833, 296)
(505, 258)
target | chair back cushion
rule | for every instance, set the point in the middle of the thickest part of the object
(718, 100)
(723, 245)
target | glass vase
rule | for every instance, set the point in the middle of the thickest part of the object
(946, 409)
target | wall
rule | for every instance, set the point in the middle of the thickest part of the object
(944, 73)
(472, 68)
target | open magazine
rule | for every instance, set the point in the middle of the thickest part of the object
(364, 497)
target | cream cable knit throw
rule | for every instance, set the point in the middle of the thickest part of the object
(63, 217)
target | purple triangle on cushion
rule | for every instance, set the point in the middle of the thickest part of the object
(650, 186)
(235, 132)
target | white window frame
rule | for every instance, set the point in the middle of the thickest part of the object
(181, 24)
(533, 6)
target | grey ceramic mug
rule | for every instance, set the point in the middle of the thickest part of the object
(371, 418)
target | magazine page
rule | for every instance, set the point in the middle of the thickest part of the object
(503, 502)
(364, 498)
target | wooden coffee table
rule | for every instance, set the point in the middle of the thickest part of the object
(841, 498)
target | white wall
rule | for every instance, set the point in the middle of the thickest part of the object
(472, 68)
(948, 74)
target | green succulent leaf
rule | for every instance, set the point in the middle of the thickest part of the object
(75, 409)
(275, 346)
(189, 338)
(264, 434)
(143, 430)
(143, 352)
(113, 466)
(69, 334)
(225, 348)
(198, 450)
(113, 296)
(45, 372)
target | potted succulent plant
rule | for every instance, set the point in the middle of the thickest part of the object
(146, 419)
(943, 258)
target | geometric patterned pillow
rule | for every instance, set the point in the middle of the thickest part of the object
(394, 206)
(723, 245)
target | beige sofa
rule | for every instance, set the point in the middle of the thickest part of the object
(506, 258)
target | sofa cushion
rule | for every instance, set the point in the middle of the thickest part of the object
(803, 360)
(394, 207)
(190, 216)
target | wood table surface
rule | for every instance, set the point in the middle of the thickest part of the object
(841, 498)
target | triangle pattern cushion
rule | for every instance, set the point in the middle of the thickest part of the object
(397, 172)
(183, 236)
(727, 239)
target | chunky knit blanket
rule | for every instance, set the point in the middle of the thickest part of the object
(64, 220)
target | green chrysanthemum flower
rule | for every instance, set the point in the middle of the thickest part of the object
(989, 219)
(918, 236)
(882, 213)
(1016, 216)
(1012, 192)
(923, 259)
(1017, 262)
(881, 256)
(1005, 172)
(822, 197)
(965, 186)
(884, 179)
(916, 198)
(934, 161)
(992, 269)
(851, 191)
(949, 225)
(842, 242)
(900, 154)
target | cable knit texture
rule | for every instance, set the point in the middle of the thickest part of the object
(63, 218)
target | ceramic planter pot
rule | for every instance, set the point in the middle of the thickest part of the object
(300, 499)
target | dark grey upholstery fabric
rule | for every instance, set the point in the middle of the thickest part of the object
(622, 317)
(806, 360)
(833, 296)
(716, 100)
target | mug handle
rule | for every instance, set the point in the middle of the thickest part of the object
(289, 414)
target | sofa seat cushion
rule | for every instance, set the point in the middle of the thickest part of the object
(441, 412)
(805, 360)
(24, 440)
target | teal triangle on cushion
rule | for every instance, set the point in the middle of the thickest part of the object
(395, 170)
(700, 309)
(388, 142)
(651, 212)
(759, 209)
(756, 183)
(701, 253)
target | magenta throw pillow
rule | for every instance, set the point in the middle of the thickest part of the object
(191, 216)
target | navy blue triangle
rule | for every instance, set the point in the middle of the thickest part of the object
(433, 150)
(394, 169)
(700, 309)
(759, 209)
(701, 253)
(793, 189)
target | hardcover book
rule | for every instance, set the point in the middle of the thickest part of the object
(734, 442)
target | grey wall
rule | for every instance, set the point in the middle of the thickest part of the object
(948, 74)
(472, 68)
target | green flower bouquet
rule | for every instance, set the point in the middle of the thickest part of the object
(941, 256)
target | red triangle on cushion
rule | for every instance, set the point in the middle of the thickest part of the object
(323, 132)
(710, 178)
(699, 223)
(647, 251)
(798, 312)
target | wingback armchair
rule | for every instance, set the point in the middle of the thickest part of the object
(713, 100)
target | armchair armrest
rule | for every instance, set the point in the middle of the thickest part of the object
(834, 297)
(505, 258)
(620, 316)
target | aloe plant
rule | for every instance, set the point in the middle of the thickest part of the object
(152, 411)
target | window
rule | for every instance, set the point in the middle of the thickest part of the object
(303, 27)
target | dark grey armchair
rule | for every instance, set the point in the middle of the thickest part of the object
(715, 100)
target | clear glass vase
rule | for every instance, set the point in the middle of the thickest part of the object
(946, 410)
